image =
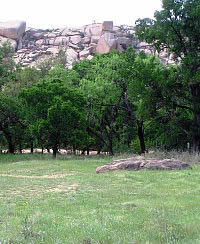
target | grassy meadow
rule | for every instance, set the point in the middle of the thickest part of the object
(65, 201)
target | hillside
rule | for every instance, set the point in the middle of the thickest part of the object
(33, 45)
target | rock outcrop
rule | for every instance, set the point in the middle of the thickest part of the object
(33, 45)
(12, 29)
(142, 163)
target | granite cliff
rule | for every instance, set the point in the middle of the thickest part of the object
(33, 45)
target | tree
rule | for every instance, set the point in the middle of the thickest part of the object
(11, 125)
(54, 112)
(119, 86)
(7, 64)
(98, 83)
(45, 65)
(177, 28)
(21, 78)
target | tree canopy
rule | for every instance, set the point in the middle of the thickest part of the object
(176, 28)
(55, 113)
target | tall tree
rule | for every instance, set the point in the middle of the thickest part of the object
(176, 28)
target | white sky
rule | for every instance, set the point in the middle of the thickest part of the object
(76, 13)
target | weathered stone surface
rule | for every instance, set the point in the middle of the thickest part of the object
(106, 43)
(72, 55)
(60, 41)
(81, 42)
(12, 29)
(13, 43)
(86, 40)
(69, 32)
(66, 32)
(33, 55)
(84, 53)
(52, 35)
(95, 39)
(93, 30)
(103, 46)
(75, 39)
(90, 57)
(123, 42)
(38, 35)
(40, 42)
(142, 45)
(52, 50)
(107, 26)
(142, 163)
(50, 41)
(93, 47)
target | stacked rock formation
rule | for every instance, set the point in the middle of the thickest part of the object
(32, 45)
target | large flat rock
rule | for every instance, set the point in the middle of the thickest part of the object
(142, 163)
(12, 29)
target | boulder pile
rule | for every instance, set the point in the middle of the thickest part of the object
(142, 163)
(32, 45)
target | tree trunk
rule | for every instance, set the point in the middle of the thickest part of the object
(110, 143)
(20, 147)
(55, 150)
(32, 147)
(195, 91)
(141, 136)
(74, 150)
(196, 132)
(11, 146)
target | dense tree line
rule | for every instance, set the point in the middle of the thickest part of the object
(116, 102)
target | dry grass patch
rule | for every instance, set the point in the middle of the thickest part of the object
(62, 189)
(52, 176)
(38, 190)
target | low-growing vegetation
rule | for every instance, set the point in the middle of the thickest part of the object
(65, 201)
(118, 102)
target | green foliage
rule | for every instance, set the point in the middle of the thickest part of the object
(55, 113)
(21, 78)
(176, 28)
(7, 64)
(47, 64)
(11, 124)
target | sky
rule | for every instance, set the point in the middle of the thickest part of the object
(76, 13)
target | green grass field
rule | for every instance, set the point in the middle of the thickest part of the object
(65, 201)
